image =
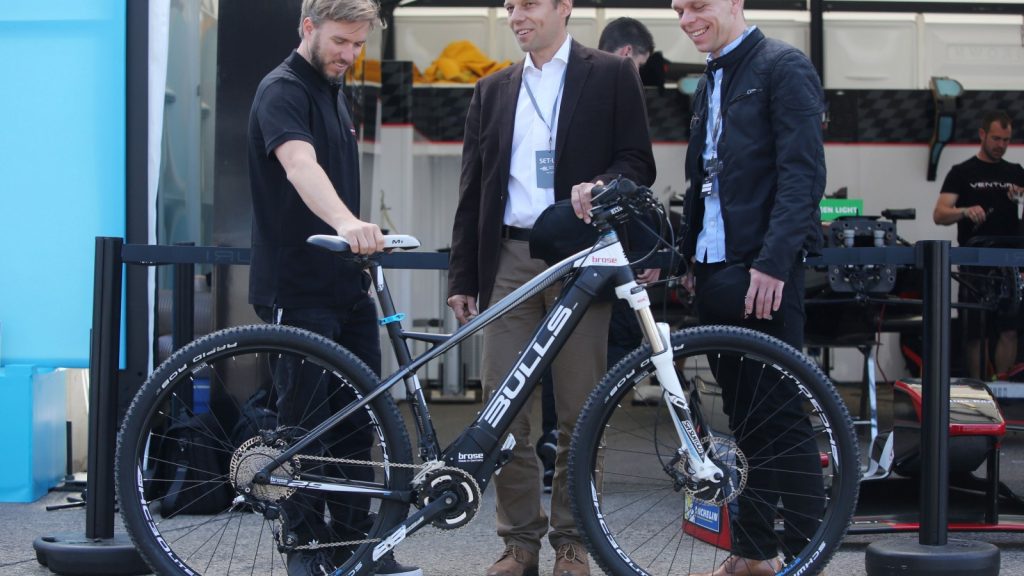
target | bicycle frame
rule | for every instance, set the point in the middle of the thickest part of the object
(477, 450)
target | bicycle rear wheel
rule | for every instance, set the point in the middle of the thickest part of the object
(204, 423)
(788, 450)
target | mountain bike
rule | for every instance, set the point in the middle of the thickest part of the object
(653, 479)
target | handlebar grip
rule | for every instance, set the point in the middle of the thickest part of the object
(900, 214)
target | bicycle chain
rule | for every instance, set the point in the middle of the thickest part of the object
(426, 468)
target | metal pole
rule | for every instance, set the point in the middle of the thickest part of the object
(933, 553)
(935, 395)
(183, 306)
(992, 491)
(104, 357)
(818, 37)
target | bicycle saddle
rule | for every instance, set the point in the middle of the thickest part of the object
(338, 244)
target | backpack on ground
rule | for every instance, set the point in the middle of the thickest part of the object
(191, 465)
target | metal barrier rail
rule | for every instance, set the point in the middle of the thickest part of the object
(932, 257)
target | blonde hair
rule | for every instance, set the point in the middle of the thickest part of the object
(320, 11)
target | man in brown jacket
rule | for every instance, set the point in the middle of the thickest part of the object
(548, 128)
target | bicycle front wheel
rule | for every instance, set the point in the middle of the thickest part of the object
(205, 422)
(768, 417)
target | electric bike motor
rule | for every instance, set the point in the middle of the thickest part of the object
(976, 425)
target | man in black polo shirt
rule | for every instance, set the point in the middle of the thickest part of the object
(979, 195)
(304, 174)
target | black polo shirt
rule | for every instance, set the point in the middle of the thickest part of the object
(294, 102)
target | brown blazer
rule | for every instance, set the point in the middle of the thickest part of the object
(602, 134)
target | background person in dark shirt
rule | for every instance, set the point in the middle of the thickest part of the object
(304, 174)
(629, 38)
(979, 195)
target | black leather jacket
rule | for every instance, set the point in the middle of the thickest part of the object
(773, 160)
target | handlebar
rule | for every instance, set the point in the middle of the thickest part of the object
(620, 200)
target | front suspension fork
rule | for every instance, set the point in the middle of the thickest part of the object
(657, 334)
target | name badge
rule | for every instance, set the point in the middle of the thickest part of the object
(545, 169)
(707, 188)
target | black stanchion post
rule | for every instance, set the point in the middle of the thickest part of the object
(100, 552)
(935, 396)
(103, 365)
(183, 307)
(933, 554)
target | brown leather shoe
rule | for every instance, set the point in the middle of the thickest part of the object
(737, 566)
(571, 560)
(515, 561)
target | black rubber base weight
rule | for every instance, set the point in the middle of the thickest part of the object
(957, 557)
(76, 555)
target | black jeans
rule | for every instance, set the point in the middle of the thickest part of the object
(306, 396)
(772, 429)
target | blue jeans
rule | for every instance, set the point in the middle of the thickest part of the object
(306, 396)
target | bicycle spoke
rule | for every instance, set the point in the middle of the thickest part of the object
(197, 434)
(664, 526)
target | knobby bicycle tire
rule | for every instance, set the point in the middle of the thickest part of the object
(636, 512)
(204, 422)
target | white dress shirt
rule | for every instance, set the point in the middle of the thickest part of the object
(525, 200)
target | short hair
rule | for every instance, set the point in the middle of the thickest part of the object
(995, 116)
(626, 31)
(557, 2)
(320, 11)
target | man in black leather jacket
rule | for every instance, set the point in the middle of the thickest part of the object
(756, 167)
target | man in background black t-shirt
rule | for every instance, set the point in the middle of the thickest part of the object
(980, 196)
(304, 177)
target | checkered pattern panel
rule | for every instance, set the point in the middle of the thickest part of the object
(439, 112)
(668, 114)
(908, 115)
(863, 116)
(974, 105)
(363, 101)
(396, 92)
(894, 116)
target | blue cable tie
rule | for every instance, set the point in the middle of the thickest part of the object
(396, 318)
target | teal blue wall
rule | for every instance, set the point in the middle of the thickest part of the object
(62, 170)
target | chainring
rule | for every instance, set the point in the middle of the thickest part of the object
(465, 489)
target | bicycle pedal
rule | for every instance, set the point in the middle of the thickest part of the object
(504, 457)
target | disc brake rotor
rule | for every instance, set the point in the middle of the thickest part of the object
(726, 455)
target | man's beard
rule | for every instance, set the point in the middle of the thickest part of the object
(318, 63)
(993, 153)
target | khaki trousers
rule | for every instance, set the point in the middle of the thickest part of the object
(576, 371)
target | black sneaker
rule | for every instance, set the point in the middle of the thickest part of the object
(388, 566)
(308, 563)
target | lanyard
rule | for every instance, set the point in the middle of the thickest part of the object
(554, 108)
(716, 132)
(716, 129)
